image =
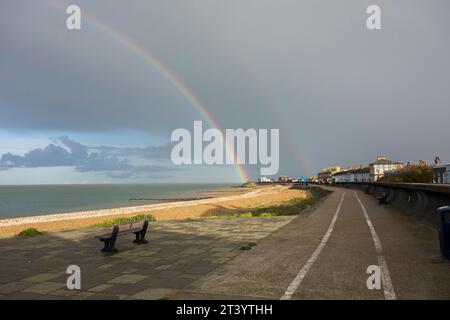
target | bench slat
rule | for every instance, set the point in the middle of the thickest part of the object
(122, 231)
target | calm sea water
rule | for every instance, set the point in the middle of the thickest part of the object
(20, 201)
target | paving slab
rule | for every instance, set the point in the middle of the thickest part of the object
(177, 254)
(153, 294)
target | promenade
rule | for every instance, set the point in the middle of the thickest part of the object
(322, 254)
(316, 258)
(178, 254)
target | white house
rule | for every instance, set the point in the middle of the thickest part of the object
(355, 175)
(360, 175)
(441, 173)
(381, 166)
(264, 180)
(340, 177)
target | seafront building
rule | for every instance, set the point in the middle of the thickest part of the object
(352, 175)
(264, 180)
(325, 175)
(381, 166)
(314, 179)
(441, 173)
(359, 173)
(284, 179)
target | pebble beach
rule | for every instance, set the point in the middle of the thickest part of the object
(240, 198)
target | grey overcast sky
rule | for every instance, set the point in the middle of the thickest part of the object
(85, 107)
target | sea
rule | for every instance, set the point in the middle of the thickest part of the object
(36, 200)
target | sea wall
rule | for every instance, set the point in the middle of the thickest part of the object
(418, 199)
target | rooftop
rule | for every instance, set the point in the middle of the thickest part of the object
(385, 161)
(360, 170)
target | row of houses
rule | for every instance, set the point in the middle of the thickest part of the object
(365, 173)
(371, 173)
(282, 179)
(376, 170)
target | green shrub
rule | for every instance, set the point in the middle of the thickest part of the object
(29, 232)
(289, 208)
(411, 174)
(245, 248)
(246, 215)
(116, 221)
(267, 214)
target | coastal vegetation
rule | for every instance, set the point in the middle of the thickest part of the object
(247, 246)
(123, 220)
(410, 174)
(29, 232)
(288, 208)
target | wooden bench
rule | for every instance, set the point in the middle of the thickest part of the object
(383, 198)
(109, 239)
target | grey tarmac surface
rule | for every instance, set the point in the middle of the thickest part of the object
(410, 249)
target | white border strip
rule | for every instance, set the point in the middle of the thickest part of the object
(389, 293)
(302, 274)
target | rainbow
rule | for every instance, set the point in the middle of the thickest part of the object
(165, 72)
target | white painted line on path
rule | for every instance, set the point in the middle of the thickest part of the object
(302, 273)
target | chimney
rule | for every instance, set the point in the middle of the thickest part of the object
(437, 160)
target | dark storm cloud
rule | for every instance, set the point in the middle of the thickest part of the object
(339, 93)
(75, 154)
(54, 79)
(161, 152)
(83, 159)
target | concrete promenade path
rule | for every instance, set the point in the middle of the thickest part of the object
(325, 255)
(322, 254)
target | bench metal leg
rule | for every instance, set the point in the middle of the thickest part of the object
(110, 243)
(109, 247)
(140, 236)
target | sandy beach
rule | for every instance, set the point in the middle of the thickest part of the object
(217, 203)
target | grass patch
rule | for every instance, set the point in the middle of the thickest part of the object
(116, 221)
(29, 232)
(267, 214)
(246, 215)
(237, 215)
(289, 208)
